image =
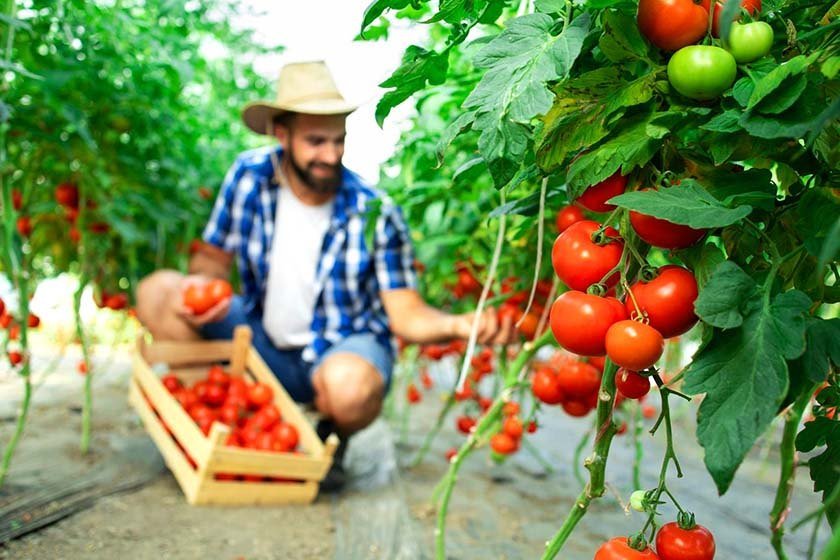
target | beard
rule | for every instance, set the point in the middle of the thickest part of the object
(320, 185)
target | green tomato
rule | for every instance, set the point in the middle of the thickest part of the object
(750, 41)
(637, 500)
(701, 72)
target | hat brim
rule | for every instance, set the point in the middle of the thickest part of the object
(257, 115)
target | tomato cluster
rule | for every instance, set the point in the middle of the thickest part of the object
(247, 408)
(437, 352)
(673, 542)
(569, 382)
(8, 322)
(507, 440)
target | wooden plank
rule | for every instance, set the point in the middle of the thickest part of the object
(288, 407)
(234, 493)
(174, 457)
(183, 428)
(242, 336)
(288, 465)
(185, 353)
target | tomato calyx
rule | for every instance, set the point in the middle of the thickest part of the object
(637, 542)
(686, 521)
(601, 237)
(648, 273)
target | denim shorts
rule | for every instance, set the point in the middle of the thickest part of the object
(288, 365)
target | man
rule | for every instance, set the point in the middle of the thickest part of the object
(322, 304)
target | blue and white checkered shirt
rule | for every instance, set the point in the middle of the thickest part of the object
(349, 275)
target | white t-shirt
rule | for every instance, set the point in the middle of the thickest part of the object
(290, 292)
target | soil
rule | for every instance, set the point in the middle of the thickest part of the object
(497, 511)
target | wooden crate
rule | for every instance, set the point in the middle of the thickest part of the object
(189, 361)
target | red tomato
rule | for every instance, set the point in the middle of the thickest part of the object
(567, 216)
(14, 332)
(598, 362)
(451, 453)
(426, 379)
(468, 282)
(529, 325)
(117, 302)
(595, 197)
(67, 194)
(5, 320)
(546, 387)
(186, 398)
(634, 345)
(219, 289)
(580, 321)
(578, 380)
(269, 416)
(2, 308)
(287, 436)
(433, 351)
(631, 384)
(99, 227)
(81, 367)
(648, 411)
(230, 414)
(752, 6)
(675, 543)
(579, 262)
(33, 321)
(664, 234)
(237, 386)
(509, 310)
(576, 408)
(24, 226)
(71, 215)
(503, 444)
(485, 403)
(216, 374)
(17, 199)
(532, 427)
(465, 424)
(617, 549)
(15, 357)
(75, 235)
(197, 298)
(259, 395)
(513, 427)
(667, 300)
(266, 441)
(171, 382)
(412, 394)
(672, 24)
(510, 408)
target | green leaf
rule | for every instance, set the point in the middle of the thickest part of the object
(687, 203)
(831, 247)
(742, 90)
(726, 297)
(753, 187)
(816, 218)
(784, 97)
(776, 78)
(520, 62)
(583, 109)
(821, 349)
(418, 67)
(627, 149)
(822, 431)
(796, 122)
(724, 122)
(730, 10)
(460, 125)
(378, 7)
(703, 260)
(550, 6)
(831, 67)
(744, 374)
(621, 40)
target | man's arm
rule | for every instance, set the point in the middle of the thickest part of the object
(417, 322)
(211, 261)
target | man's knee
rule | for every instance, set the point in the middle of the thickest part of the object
(354, 390)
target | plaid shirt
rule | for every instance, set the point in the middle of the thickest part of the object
(349, 275)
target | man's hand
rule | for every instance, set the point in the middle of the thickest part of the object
(212, 315)
(490, 329)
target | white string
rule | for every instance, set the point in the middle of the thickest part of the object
(540, 227)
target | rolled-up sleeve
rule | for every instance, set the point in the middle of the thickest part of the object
(394, 253)
(220, 230)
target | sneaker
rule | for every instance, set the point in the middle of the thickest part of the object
(336, 477)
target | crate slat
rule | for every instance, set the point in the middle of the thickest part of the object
(174, 458)
(178, 354)
(232, 493)
(288, 465)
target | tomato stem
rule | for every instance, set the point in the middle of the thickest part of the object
(787, 474)
(638, 426)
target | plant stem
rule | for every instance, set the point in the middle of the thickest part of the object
(638, 426)
(485, 423)
(578, 453)
(832, 548)
(87, 402)
(23, 413)
(596, 463)
(787, 476)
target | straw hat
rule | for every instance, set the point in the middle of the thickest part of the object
(303, 87)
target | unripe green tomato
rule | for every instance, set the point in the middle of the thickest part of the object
(750, 41)
(637, 500)
(701, 72)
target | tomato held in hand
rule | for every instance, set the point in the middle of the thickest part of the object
(749, 42)
(580, 321)
(675, 543)
(634, 345)
(667, 300)
(672, 24)
(701, 72)
(595, 197)
(219, 289)
(617, 548)
(567, 216)
(752, 6)
(201, 297)
(579, 262)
